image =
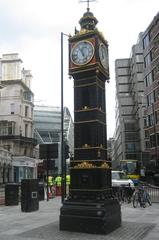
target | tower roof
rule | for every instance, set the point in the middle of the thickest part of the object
(88, 21)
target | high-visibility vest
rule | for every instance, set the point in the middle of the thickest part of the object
(58, 181)
(50, 180)
(68, 179)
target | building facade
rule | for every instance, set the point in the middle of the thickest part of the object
(110, 143)
(129, 134)
(151, 79)
(16, 116)
(47, 129)
(6, 169)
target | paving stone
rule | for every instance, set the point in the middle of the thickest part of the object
(137, 224)
(128, 230)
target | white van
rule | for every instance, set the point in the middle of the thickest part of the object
(119, 179)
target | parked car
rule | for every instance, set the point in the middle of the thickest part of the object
(119, 179)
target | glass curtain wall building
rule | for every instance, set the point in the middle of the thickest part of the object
(47, 128)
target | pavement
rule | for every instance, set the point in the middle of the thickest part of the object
(137, 223)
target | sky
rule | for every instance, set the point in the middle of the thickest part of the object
(33, 29)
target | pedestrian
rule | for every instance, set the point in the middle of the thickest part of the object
(50, 184)
(67, 184)
(58, 181)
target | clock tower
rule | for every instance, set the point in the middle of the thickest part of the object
(90, 206)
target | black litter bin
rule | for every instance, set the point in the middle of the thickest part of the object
(11, 194)
(41, 192)
(29, 195)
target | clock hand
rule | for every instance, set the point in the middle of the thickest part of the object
(82, 52)
(102, 53)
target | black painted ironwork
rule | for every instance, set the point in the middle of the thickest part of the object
(88, 3)
(90, 206)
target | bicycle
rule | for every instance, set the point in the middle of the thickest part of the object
(123, 193)
(141, 196)
(128, 193)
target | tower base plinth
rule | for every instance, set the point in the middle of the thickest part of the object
(90, 217)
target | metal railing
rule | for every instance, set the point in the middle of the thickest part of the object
(2, 196)
(121, 193)
(118, 192)
(153, 192)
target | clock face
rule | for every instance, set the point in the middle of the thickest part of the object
(103, 55)
(82, 52)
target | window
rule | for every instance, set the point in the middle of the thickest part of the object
(147, 144)
(153, 141)
(25, 151)
(157, 136)
(7, 128)
(156, 41)
(156, 69)
(12, 108)
(139, 67)
(155, 93)
(131, 136)
(146, 134)
(26, 111)
(118, 175)
(10, 128)
(151, 98)
(28, 96)
(130, 126)
(149, 79)
(148, 121)
(26, 130)
(147, 101)
(3, 128)
(152, 119)
(147, 59)
(130, 147)
(146, 41)
(156, 118)
(31, 112)
(145, 122)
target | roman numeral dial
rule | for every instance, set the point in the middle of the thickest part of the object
(82, 52)
(103, 55)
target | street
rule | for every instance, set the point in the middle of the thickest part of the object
(140, 223)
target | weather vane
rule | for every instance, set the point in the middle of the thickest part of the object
(88, 2)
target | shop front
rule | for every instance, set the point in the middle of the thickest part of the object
(24, 168)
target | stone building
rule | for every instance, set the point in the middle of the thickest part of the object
(16, 116)
(141, 82)
(151, 79)
(130, 105)
(6, 169)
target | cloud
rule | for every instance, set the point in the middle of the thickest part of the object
(32, 28)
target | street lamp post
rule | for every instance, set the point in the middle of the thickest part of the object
(63, 160)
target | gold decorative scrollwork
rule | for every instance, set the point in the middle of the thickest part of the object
(105, 165)
(85, 165)
(83, 31)
(86, 145)
(85, 107)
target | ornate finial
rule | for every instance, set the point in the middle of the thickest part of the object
(88, 21)
(87, 1)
